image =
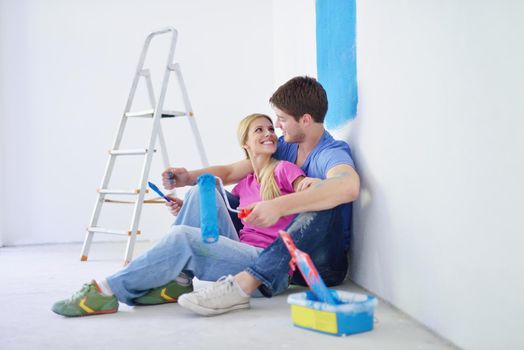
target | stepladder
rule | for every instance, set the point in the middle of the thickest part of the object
(156, 113)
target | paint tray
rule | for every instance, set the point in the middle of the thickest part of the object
(353, 314)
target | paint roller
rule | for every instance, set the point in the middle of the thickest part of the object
(208, 206)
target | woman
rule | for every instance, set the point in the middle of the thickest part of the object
(182, 251)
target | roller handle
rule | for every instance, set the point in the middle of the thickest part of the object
(242, 213)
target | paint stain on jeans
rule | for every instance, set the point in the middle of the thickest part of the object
(302, 222)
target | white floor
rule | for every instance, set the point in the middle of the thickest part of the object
(33, 277)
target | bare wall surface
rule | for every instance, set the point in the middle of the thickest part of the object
(293, 39)
(66, 72)
(438, 141)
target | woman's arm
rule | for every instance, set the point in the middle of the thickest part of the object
(232, 173)
(297, 182)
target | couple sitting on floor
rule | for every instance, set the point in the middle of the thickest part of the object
(304, 172)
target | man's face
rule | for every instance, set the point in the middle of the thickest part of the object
(291, 129)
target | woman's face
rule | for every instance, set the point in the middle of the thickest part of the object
(261, 138)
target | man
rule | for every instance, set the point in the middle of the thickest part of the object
(321, 229)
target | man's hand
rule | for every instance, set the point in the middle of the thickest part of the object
(174, 206)
(263, 214)
(175, 177)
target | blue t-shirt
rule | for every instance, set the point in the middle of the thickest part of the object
(327, 153)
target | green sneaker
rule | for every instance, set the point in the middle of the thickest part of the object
(87, 301)
(168, 293)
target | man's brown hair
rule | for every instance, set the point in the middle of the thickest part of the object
(301, 95)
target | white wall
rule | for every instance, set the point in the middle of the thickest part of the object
(65, 74)
(438, 141)
(2, 147)
(294, 39)
(3, 119)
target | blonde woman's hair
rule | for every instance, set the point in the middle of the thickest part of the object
(268, 184)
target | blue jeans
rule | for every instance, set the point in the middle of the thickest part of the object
(182, 250)
(321, 235)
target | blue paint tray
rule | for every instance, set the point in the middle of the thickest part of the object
(354, 313)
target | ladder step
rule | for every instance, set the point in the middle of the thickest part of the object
(146, 201)
(125, 192)
(172, 114)
(111, 231)
(148, 113)
(128, 152)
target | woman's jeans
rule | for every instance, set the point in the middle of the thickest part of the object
(182, 250)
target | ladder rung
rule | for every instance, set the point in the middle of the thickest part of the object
(111, 231)
(128, 152)
(146, 201)
(172, 114)
(126, 192)
(148, 113)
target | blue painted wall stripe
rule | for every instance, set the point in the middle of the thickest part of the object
(336, 58)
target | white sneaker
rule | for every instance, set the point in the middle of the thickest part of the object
(199, 284)
(222, 296)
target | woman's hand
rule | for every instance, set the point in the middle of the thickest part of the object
(306, 183)
(175, 177)
(174, 206)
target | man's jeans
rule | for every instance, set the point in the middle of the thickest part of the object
(319, 234)
(182, 250)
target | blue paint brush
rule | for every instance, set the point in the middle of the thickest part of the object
(157, 190)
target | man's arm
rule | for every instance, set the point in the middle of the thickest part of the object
(229, 174)
(341, 185)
